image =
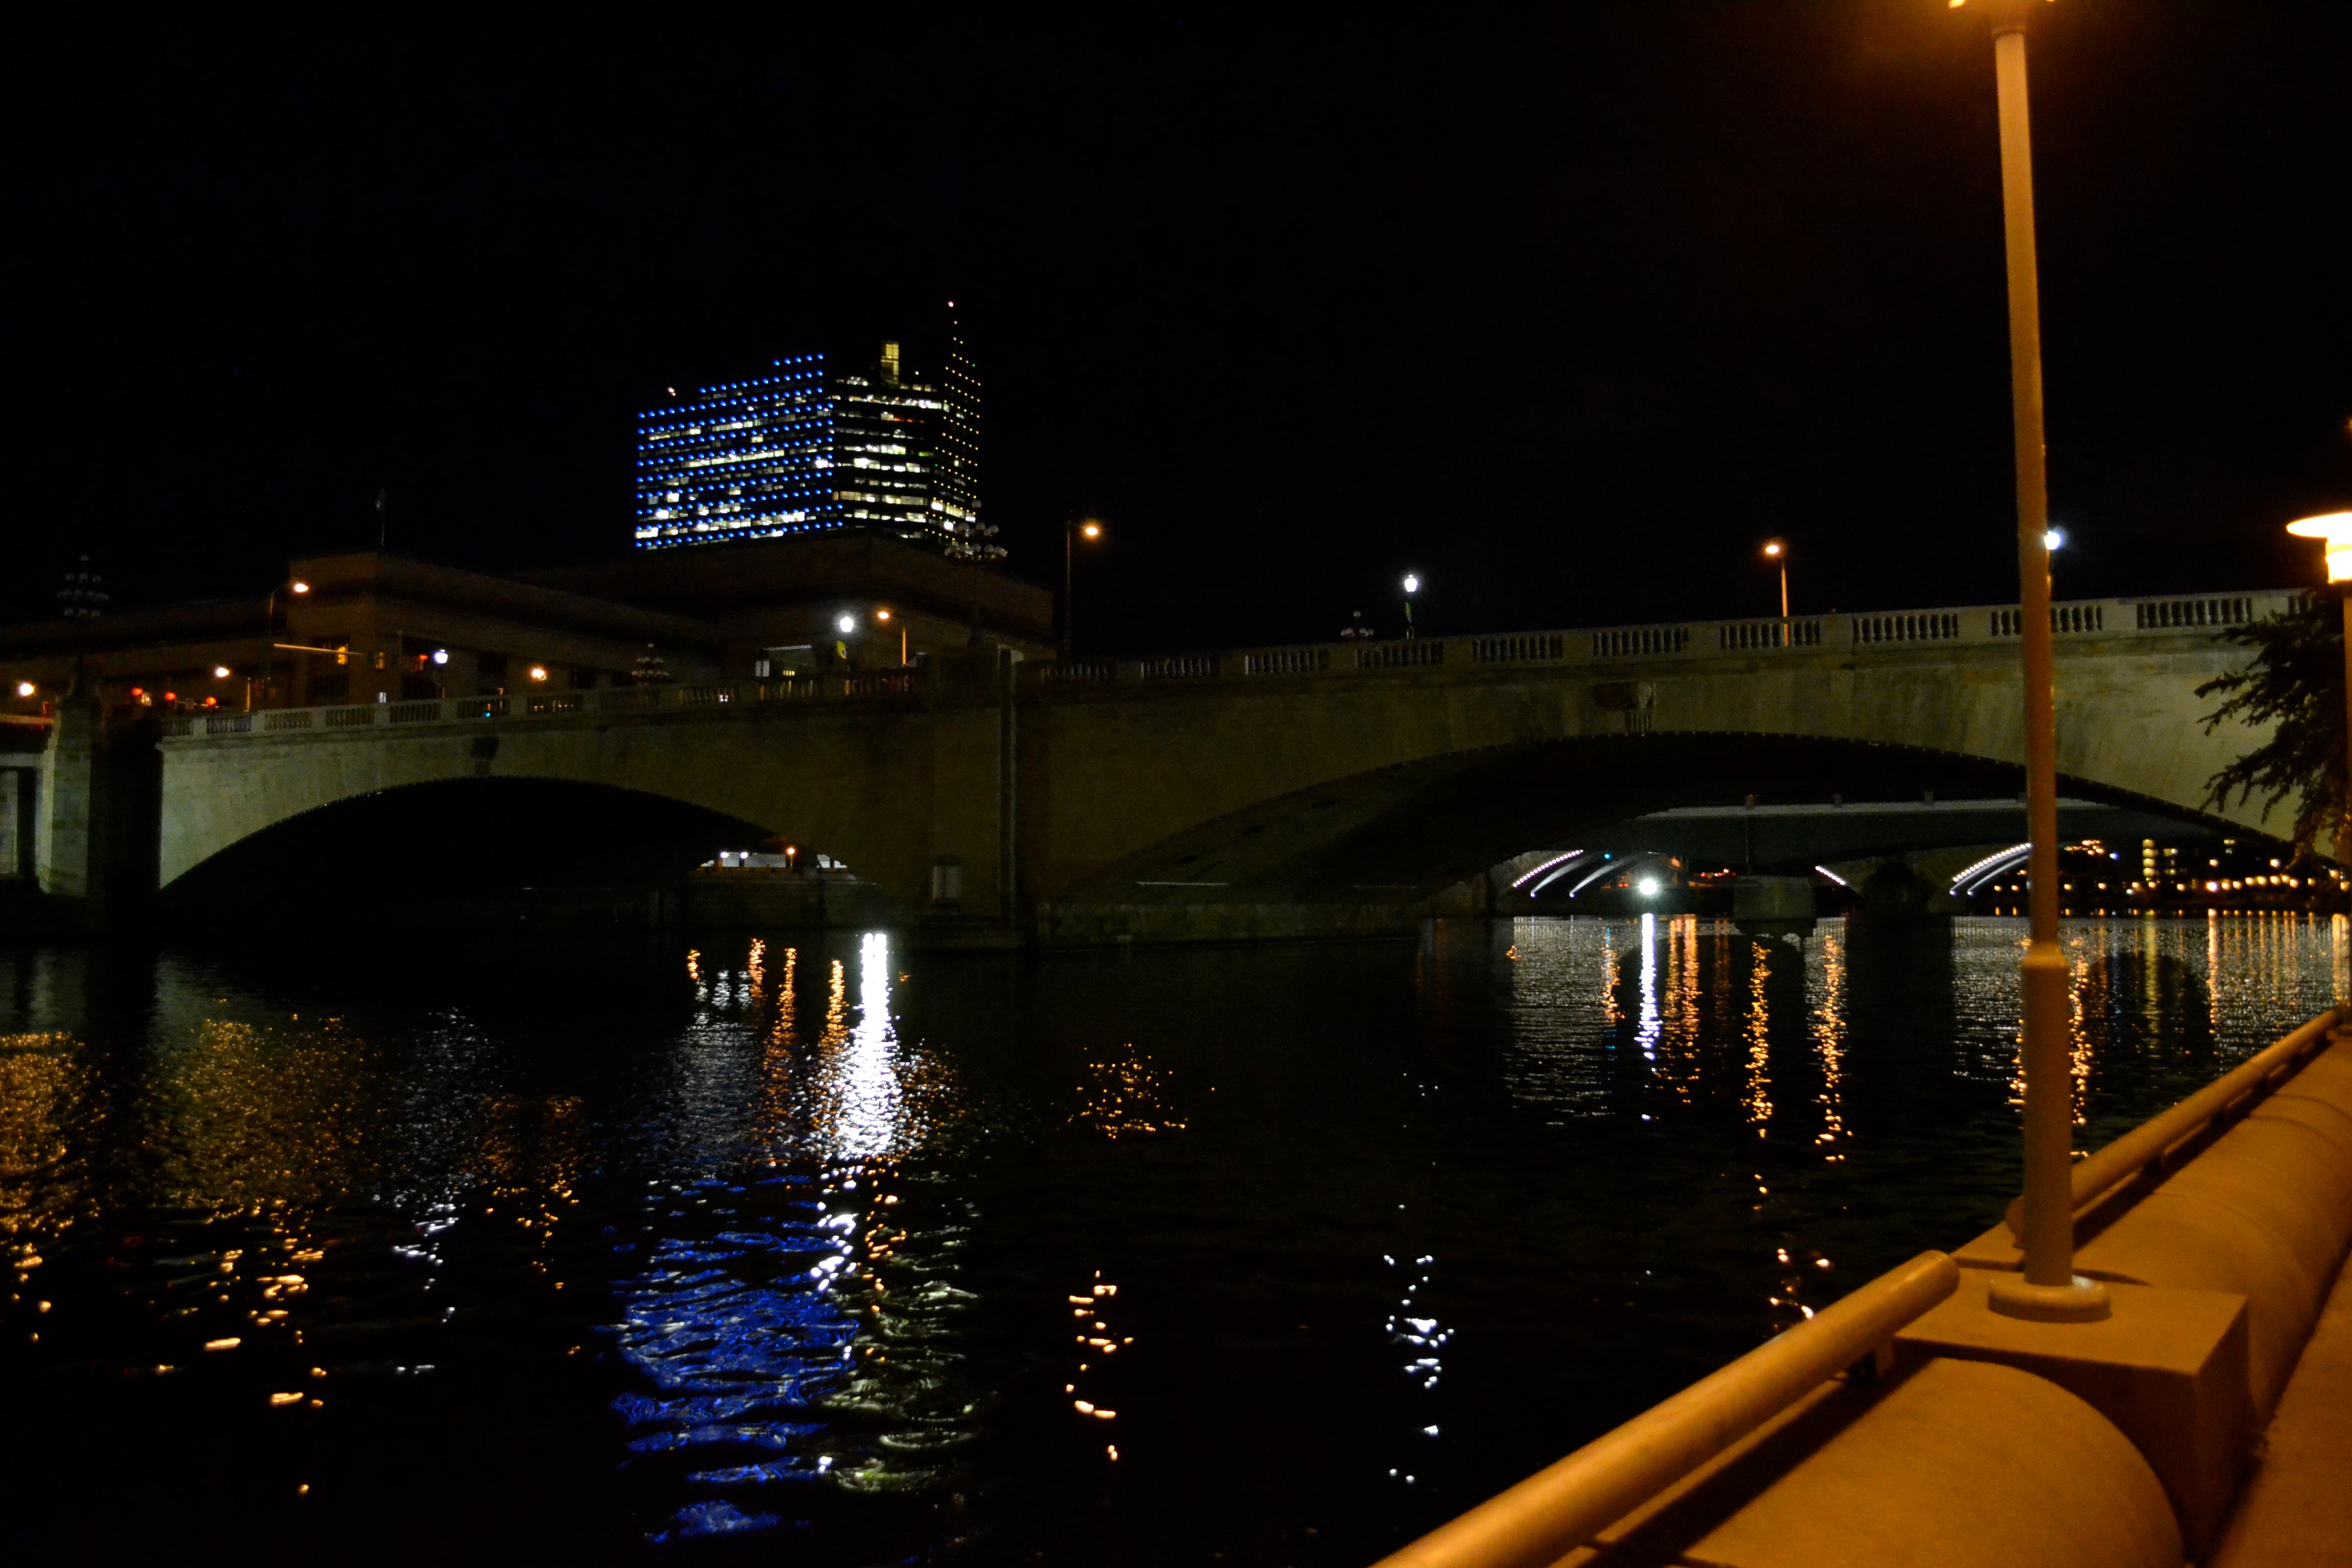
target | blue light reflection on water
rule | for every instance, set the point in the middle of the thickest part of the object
(776, 1289)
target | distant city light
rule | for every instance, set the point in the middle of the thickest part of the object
(1648, 888)
(539, 672)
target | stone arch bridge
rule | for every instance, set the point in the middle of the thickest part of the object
(1313, 787)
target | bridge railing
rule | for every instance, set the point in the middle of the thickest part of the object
(744, 697)
(2076, 622)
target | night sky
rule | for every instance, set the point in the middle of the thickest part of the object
(1567, 308)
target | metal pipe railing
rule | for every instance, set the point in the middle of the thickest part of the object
(1556, 1509)
(2135, 1150)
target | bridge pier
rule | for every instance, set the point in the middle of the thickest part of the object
(94, 805)
(1772, 906)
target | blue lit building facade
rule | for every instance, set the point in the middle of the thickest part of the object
(812, 449)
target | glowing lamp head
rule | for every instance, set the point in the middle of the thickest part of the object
(539, 672)
(220, 672)
(846, 624)
(1776, 548)
(1090, 528)
(1412, 582)
(881, 615)
(23, 689)
(297, 587)
(2053, 539)
(1647, 886)
(440, 655)
(2335, 528)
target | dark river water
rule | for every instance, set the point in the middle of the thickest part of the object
(811, 1249)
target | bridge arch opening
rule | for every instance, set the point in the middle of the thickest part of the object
(1405, 833)
(470, 850)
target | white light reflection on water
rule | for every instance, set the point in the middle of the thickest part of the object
(1645, 1036)
(1421, 1339)
(867, 1113)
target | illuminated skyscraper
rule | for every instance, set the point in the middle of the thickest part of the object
(810, 449)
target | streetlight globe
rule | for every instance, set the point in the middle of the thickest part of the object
(2053, 538)
(1412, 582)
(440, 655)
(298, 587)
(1649, 886)
(1090, 528)
(220, 672)
(2335, 528)
(539, 672)
(23, 689)
(882, 614)
(846, 625)
(1776, 548)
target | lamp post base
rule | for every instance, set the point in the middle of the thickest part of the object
(2081, 1301)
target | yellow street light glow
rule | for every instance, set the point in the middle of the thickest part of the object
(2335, 528)
(539, 672)
(881, 615)
(23, 689)
(220, 672)
(1090, 528)
(1775, 548)
(300, 587)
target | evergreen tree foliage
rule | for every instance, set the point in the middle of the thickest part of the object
(2293, 683)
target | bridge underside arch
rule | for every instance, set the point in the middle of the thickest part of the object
(1400, 834)
(449, 842)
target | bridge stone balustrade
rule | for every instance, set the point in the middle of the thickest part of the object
(1346, 773)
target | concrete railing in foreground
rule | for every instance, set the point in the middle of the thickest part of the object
(1555, 1510)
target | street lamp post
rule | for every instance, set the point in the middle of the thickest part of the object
(1777, 551)
(1411, 586)
(2335, 528)
(270, 639)
(1073, 530)
(2048, 1289)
